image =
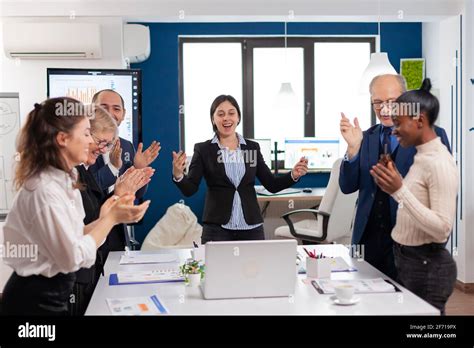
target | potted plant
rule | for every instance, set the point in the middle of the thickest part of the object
(193, 272)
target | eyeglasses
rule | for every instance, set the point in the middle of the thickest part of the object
(102, 143)
(379, 104)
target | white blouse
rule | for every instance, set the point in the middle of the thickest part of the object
(47, 217)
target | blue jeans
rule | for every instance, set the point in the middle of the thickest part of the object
(428, 271)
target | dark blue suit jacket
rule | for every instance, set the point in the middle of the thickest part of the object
(104, 176)
(356, 176)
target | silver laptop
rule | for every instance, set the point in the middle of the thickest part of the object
(247, 269)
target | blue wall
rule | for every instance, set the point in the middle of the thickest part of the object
(160, 96)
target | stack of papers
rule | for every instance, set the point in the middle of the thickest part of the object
(132, 259)
(136, 306)
(362, 286)
(144, 277)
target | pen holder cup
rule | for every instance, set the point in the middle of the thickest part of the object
(318, 268)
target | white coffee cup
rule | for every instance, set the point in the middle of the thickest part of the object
(344, 292)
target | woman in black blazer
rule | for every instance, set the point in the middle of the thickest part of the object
(230, 164)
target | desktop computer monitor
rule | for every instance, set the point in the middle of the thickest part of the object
(266, 150)
(321, 153)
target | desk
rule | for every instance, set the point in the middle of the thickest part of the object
(182, 300)
(315, 196)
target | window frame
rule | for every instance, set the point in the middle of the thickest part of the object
(248, 44)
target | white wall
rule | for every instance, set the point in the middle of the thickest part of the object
(28, 77)
(2, 56)
(440, 42)
(468, 155)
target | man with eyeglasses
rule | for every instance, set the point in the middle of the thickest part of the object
(376, 210)
(122, 155)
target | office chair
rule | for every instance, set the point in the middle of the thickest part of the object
(332, 220)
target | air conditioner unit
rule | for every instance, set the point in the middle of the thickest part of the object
(136, 42)
(52, 40)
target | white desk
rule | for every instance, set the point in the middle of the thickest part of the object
(315, 196)
(182, 300)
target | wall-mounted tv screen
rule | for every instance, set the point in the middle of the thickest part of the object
(82, 84)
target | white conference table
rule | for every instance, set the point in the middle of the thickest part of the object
(183, 300)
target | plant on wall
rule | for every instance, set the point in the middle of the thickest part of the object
(414, 72)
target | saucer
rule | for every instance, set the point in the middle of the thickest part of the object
(352, 301)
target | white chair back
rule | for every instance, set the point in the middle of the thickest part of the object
(342, 209)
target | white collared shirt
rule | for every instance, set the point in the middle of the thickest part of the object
(47, 216)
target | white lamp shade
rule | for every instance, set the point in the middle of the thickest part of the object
(286, 97)
(378, 65)
(286, 89)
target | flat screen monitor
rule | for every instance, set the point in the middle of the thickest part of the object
(321, 153)
(82, 84)
(266, 150)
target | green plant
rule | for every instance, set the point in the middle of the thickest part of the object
(192, 266)
(413, 71)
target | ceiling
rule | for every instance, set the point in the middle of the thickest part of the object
(238, 10)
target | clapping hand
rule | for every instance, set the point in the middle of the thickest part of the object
(352, 134)
(145, 158)
(179, 164)
(387, 177)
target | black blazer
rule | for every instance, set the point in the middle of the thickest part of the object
(220, 192)
(92, 199)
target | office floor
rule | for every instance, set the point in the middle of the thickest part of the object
(460, 303)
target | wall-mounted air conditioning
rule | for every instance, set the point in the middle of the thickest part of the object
(52, 40)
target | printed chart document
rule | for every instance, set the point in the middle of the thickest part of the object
(132, 259)
(144, 277)
(136, 306)
(362, 286)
